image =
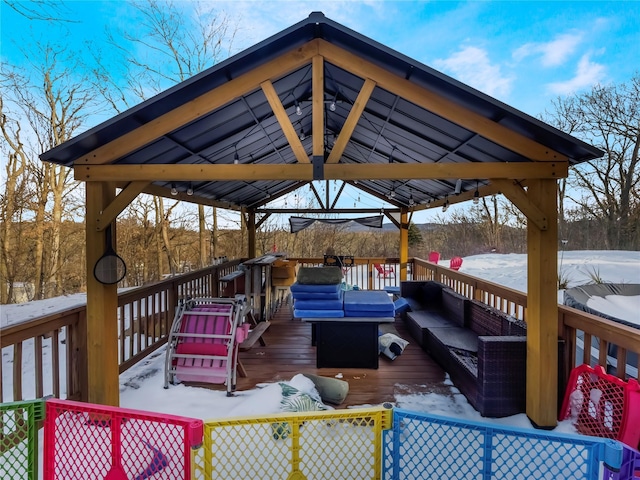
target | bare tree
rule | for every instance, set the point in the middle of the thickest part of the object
(12, 202)
(177, 45)
(44, 10)
(606, 190)
(54, 101)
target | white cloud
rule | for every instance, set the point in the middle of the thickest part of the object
(552, 53)
(588, 73)
(471, 65)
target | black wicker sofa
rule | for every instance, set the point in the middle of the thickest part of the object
(483, 349)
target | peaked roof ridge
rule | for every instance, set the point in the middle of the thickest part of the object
(318, 26)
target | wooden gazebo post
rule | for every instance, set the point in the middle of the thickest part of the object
(102, 306)
(251, 233)
(404, 243)
(542, 307)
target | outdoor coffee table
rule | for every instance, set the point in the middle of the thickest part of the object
(347, 342)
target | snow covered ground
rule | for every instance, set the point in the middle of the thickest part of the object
(141, 386)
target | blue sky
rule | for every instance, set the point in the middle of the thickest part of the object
(523, 53)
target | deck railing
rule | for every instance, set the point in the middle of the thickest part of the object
(588, 338)
(48, 352)
(40, 347)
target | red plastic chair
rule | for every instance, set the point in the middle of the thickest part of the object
(455, 263)
(434, 257)
(384, 272)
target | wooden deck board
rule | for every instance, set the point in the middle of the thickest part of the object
(288, 351)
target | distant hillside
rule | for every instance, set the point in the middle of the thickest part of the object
(387, 227)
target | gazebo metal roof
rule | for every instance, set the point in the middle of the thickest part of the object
(395, 126)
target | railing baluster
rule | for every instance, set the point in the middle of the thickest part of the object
(37, 356)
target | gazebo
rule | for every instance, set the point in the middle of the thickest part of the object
(319, 101)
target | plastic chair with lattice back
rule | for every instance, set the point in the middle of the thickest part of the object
(455, 263)
(384, 272)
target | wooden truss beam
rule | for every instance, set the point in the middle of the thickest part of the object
(201, 105)
(304, 172)
(439, 105)
(182, 196)
(352, 120)
(285, 123)
(115, 207)
(317, 100)
(519, 197)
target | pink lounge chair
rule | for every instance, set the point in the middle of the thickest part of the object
(384, 272)
(203, 342)
(434, 257)
(455, 263)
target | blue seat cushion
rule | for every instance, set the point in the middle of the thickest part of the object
(298, 287)
(401, 305)
(316, 296)
(380, 314)
(317, 304)
(318, 313)
(368, 301)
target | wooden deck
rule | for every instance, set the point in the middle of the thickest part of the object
(288, 351)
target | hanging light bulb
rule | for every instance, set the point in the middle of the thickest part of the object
(412, 202)
(476, 195)
(236, 159)
(298, 108)
(302, 135)
(332, 106)
(174, 190)
(445, 207)
(190, 189)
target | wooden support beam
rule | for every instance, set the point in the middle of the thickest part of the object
(331, 210)
(304, 172)
(263, 219)
(285, 123)
(152, 189)
(102, 305)
(542, 308)
(404, 244)
(351, 121)
(439, 105)
(317, 102)
(251, 233)
(483, 191)
(201, 105)
(391, 215)
(124, 198)
(518, 196)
